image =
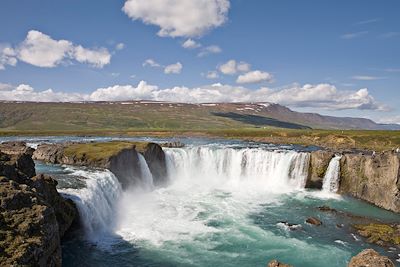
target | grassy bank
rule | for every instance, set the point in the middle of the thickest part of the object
(335, 139)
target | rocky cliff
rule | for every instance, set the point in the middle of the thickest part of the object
(319, 161)
(33, 216)
(373, 178)
(121, 158)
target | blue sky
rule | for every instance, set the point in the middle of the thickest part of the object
(309, 55)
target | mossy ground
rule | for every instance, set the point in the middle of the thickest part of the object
(380, 233)
(100, 151)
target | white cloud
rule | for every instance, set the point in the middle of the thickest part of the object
(41, 50)
(212, 75)
(7, 57)
(390, 120)
(392, 70)
(151, 62)
(173, 68)
(232, 67)
(120, 46)
(366, 78)
(353, 35)
(96, 57)
(255, 76)
(179, 18)
(212, 49)
(191, 44)
(324, 96)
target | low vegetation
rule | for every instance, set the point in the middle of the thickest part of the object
(381, 234)
(100, 151)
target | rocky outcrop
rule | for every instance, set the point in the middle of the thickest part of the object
(51, 153)
(121, 158)
(373, 178)
(319, 161)
(370, 257)
(33, 216)
(275, 263)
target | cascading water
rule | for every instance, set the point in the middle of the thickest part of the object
(268, 169)
(331, 179)
(146, 177)
(95, 202)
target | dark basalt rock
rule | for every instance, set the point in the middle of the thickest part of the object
(155, 159)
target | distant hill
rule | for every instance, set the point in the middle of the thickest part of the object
(131, 115)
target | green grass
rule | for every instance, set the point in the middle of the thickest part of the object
(100, 151)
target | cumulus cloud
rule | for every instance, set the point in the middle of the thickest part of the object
(324, 96)
(255, 76)
(7, 57)
(232, 67)
(212, 49)
(191, 44)
(173, 68)
(97, 58)
(151, 63)
(41, 50)
(212, 75)
(179, 18)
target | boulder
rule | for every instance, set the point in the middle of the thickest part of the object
(370, 258)
(314, 221)
(373, 178)
(275, 263)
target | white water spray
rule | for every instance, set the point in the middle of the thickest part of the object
(266, 169)
(96, 202)
(332, 175)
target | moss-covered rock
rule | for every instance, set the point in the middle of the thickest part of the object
(379, 233)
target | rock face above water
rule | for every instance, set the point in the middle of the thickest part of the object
(370, 258)
(120, 157)
(319, 161)
(375, 179)
(33, 216)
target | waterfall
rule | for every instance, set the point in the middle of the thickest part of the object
(331, 178)
(96, 202)
(268, 169)
(146, 176)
